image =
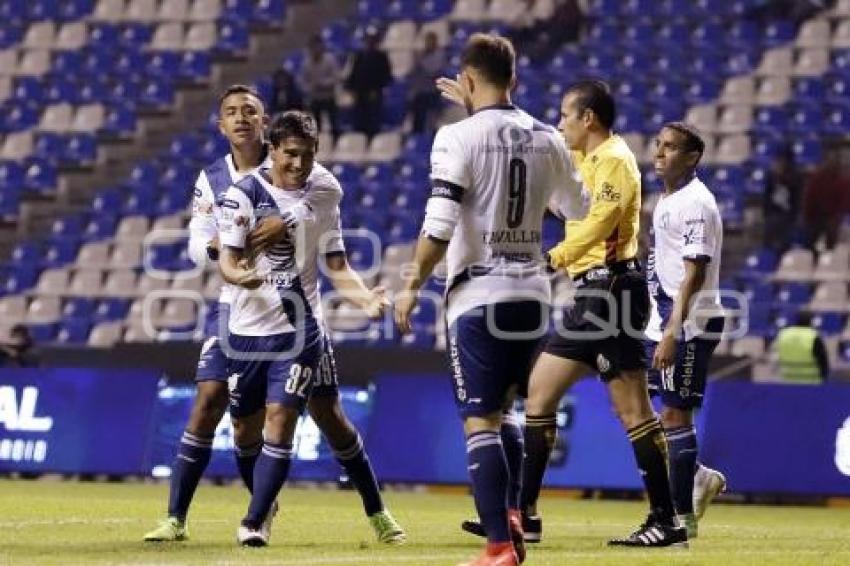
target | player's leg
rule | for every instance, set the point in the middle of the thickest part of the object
(248, 441)
(195, 449)
(630, 400)
(347, 444)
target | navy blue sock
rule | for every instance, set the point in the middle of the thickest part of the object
(270, 474)
(356, 464)
(489, 472)
(246, 459)
(192, 459)
(514, 446)
(682, 445)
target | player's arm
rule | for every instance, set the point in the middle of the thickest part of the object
(203, 231)
(608, 201)
(695, 273)
(569, 200)
(236, 216)
(351, 287)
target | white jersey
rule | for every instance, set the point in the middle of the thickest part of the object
(686, 225)
(290, 292)
(210, 186)
(504, 168)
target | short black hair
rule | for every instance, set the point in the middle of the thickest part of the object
(293, 124)
(693, 138)
(239, 89)
(491, 55)
(595, 95)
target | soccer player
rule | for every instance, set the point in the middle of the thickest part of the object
(492, 175)
(687, 317)
(241, 120)
(276, 339)
(602, 332)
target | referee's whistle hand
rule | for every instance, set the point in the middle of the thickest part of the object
(405, 302)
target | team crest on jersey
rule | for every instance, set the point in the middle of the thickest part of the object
(608, 193)
(603, 364)
(511, 136)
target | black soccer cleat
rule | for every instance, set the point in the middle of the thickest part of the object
(532, 527)
(654, 533)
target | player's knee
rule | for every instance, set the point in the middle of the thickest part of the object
(673, 417)
(486, 423)
(210, 405)
(280, 423)
(332, 422)
(248, 431)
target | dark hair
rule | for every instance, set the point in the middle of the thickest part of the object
(293, 124)
(491, 55)
(693, 138)
(239, 89)
(595, 95)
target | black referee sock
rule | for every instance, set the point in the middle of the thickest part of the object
(651, 454)
(540, 435)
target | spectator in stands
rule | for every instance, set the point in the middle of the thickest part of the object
(370, 73)
(424, 97)
(566, 23)
(801, 353)
(285, 93)
(781, 203)
(17, 351)
(825, 200)
(320, 76)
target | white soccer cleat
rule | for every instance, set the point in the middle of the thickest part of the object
(266, 527)
(707, 484)
(247, 536)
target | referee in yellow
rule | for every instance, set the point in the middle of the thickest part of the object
(603, 331)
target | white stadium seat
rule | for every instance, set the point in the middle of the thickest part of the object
(13, 308)
(703, 117)
(57, 118)
(440, 28)
(73, 35)
(814, 33)
(831, 297)
(739, 90)
(173, 11)
(469, 11)
(120, 283)
(385, 146)
(141, 10)
(796, 265)
(201, 36)
(40, 35)
(776, 62)
(126, 254)
(93, 254)
(53, 282)
(811, 62)
(105, 334)
(773, 91)
(402, 63)
(833, 265)
(399, 35)
(749, 346)
(44, 310)
(88, 118)
(841, 36)
(17, 146)
(732, 150)
(735, 119)
(86, 283)
(168, 37)
(351, 147)
(109, 10)
(132, 228)
(205, 10)
(34, 62)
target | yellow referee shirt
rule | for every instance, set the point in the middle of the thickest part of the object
(609, 232)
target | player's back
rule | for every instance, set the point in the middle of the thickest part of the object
(504, 167)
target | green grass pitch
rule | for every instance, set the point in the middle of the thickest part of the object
(56, 522)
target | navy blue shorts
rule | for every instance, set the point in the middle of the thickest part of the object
(213, 363)
(485, 361)
(683, 385)
(273, 369)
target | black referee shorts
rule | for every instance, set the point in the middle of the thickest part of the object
(604, 328)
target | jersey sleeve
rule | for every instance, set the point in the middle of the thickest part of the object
(568, 201)
(236, 218)
(449, 163)
(202, 226)
(321, 201)
(613, 191)
(331, 241)
(699, 233)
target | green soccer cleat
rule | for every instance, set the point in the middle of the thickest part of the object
(170, 530)
(708, 484)
(387, 528)
(689, 521)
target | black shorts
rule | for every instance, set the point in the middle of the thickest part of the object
(604, 328)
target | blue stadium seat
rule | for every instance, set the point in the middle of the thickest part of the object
(71, 10)
(78, 308)
(807, 151)
(759, 264)
(16, 116)
(809, 90)
(61, 252)
(104, 36)
(433, 9)
(741, 62)
(766, 148)
(240, 10)
(144, 174)
(178, 176)
(837, 88)
(232, 39)
(41, 176)
(131, 62)
(120, 121)
(21, 279)
(706, 64)
(69, 63)
(805, 119)
(81, 149)
(195, 66)
(346, 173)
(756, 180)
(101, 61)
(10, 33)
(135, 34)
(62, 89)
(795, 293)
(268, 12)
(837, 122)
(172, 202)
(102, 226)
(706, 34)
(673, 34)
(758, 291)
(37, 10)
(110, 309)
(27, 253)
(701, 91)
(161, 256)
(42, 333)
(212, 148)
(759, 321)
(602, 8)
(778, 32)
(49, 146)
(69, 226)
(727, 180)
(157, 94)
(370, 10)
(402, 10)
(184, 147)
(163, 63)
(828, 323)
(74, 331)
(141, 201)
(743, 34)
(630, 118)
(770, 120)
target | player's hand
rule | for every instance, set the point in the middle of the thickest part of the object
(269, 231)
(665, 353)
(405, 302)
(454, 91)
(378, 304)
(249, 278)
